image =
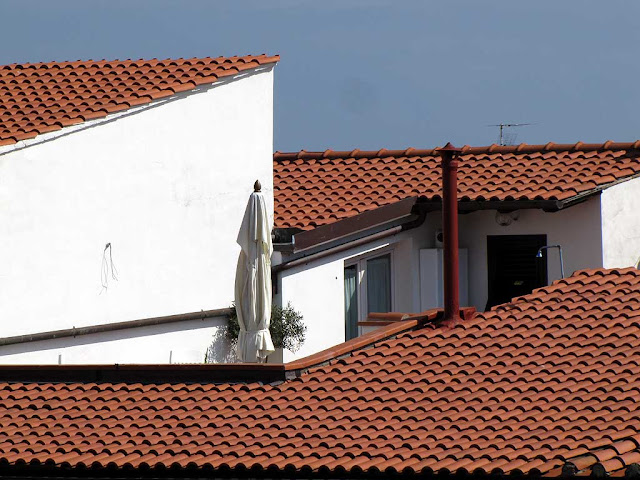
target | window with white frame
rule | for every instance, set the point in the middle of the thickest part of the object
(367, 289)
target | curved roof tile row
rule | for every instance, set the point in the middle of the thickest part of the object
(37, 98)
(316, 188)
(544, 385)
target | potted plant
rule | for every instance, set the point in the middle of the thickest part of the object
(287, 330)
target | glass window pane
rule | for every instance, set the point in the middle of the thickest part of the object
(379, 284)
(351, 301)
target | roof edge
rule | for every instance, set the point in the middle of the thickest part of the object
(364, 341)
(137, 102)
(466, 150)
(394, 327)
(217, 373)
(101, 63)
(53, 471)
(401, 211)
(139, 373)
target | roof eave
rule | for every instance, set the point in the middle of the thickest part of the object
(467, 206)
(396, 213)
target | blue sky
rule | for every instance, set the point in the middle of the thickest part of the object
(380, 73)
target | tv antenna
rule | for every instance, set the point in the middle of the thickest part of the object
(502, 126)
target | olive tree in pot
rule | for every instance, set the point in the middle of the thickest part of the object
(287, 331)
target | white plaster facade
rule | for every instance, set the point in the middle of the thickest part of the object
(621, 224)
(166, 184)
(576, 229)
(603, 231)
(316, 289)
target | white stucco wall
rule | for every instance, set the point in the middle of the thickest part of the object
(184, 342)
(577, 229)
(621, 224)
(166, 186)
(316, 289)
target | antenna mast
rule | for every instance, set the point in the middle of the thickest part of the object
(502, 126)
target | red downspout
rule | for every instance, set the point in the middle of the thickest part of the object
(449, 155)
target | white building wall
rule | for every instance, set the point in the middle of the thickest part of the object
(166, 186)
(316, 289)
(183, 342)
(577, 229)
(621, 224)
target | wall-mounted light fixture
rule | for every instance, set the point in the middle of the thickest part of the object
(539, 255)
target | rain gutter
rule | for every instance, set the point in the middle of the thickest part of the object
(110, 327)
(354, 231)
(300, 260)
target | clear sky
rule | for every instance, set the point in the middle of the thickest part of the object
(380, 73)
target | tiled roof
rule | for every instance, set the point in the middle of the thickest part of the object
(42, 97)
(546, 384)
(317, 188)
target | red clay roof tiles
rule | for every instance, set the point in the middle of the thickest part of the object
(317, 188)
(547, 384)
(42, 97)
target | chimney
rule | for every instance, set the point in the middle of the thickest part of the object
(449, 155)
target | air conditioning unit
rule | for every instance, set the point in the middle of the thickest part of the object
(439, 238)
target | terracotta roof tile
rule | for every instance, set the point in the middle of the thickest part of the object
(316, 188)
(41, 97)
(546, 384)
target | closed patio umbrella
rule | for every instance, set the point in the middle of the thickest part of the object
(253, 281)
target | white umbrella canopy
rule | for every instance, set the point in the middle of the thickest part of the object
(253, 281)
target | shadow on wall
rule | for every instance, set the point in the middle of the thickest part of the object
(220, 351)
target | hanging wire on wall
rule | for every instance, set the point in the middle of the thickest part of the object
(108, 268)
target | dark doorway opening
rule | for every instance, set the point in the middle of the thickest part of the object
(513, 267)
